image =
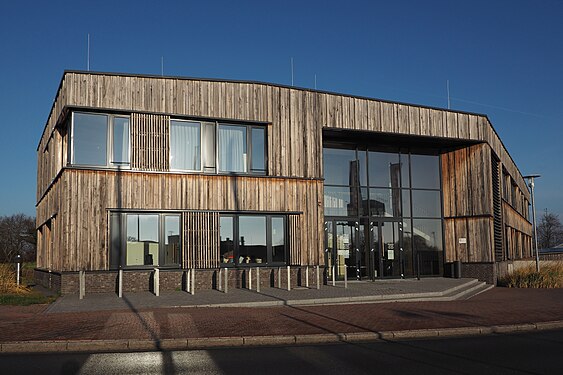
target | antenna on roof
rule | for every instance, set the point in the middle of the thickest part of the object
(88, 58)
(315, 81)
(162, 65)
(292, 71)
(448, 89)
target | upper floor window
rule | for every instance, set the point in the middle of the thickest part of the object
(100, 139)
(217, 148)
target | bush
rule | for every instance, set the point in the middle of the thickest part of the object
(8, 281)
(550, 276)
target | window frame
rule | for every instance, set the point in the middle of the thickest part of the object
(269, 246)
(201, 126)
(109, 141)
(121, 255)
(204, 141)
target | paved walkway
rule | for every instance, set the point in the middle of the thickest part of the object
(184, 327)
(355, 292)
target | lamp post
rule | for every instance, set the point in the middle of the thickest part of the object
(530, 179)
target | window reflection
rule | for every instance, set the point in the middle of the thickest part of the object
(252, 237)
(426, 203)
(226, 238)
(340, 201)
(425, 171)
(384, 169)
(340, 167)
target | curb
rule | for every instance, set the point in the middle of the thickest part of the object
(77, 346)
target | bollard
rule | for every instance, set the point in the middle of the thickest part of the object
(82, 284)
(333, 275)
(220, 280)
(250, 279)
(120, 284)
(156, 281)
(258, 279)
(345, 277)
(279, 277)
(192, 282)
(318, 278)
(288, 278)
(226, 280)
(307, 276)
(188, 281)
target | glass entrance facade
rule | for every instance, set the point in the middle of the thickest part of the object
(383, 213)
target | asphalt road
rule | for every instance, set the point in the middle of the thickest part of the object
(530, 353)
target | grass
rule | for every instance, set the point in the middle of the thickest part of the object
(13, 294)
(550, 276)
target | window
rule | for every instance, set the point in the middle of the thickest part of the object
(252, 239)
(100, 140)
(200, 146)
(185, 151)
(145, 239)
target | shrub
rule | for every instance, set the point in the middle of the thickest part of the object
(8, 281)
(550, 276)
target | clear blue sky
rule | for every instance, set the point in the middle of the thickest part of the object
(502, 58)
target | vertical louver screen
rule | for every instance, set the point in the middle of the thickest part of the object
(497, 211)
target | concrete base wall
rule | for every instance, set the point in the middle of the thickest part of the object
(169, 280)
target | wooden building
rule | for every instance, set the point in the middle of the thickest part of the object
(137, 172)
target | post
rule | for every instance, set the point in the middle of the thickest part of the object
(279, 277)
(318, 278)
(250, 279)
(219, 281)
(18, 267)
(258, 279)
(120, 282)
(156, 280)
(307, 276)
(82, 284)
(288, 278)
(531, 178)
(226, 280)
(192, 282)
(333, 275)
(345, 277)
(418, 265)
(188, 281)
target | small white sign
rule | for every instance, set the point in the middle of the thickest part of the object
(344, 253)
(462, 240)
(390, 254)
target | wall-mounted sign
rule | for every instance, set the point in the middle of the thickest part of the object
(462, 240)
(390, 254)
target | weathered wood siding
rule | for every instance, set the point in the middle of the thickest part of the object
(79, 199)
(82, 216)
(468, 211)
(297, 116)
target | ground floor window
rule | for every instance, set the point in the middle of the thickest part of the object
(145, 239)
(252, 239)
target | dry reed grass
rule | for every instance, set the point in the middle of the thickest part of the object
(550, 276)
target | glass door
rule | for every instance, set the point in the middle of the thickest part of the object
(390, 249)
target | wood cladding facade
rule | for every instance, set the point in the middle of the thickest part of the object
(75, 202)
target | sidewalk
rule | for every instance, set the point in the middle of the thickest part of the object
(33, 328)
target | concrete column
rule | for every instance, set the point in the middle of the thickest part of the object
(82, 284)
(307, 276)
(288, 278)
(318, 278)
(258, 279)
(120, 284)
(192, 274)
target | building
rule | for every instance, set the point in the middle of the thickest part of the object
(137, 172)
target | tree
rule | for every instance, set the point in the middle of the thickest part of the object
(17, 236)
(550, 231)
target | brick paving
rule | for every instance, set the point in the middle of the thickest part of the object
(498, 306)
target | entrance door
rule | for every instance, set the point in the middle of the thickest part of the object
(342, 250)
(390, 248)
(364, 249)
